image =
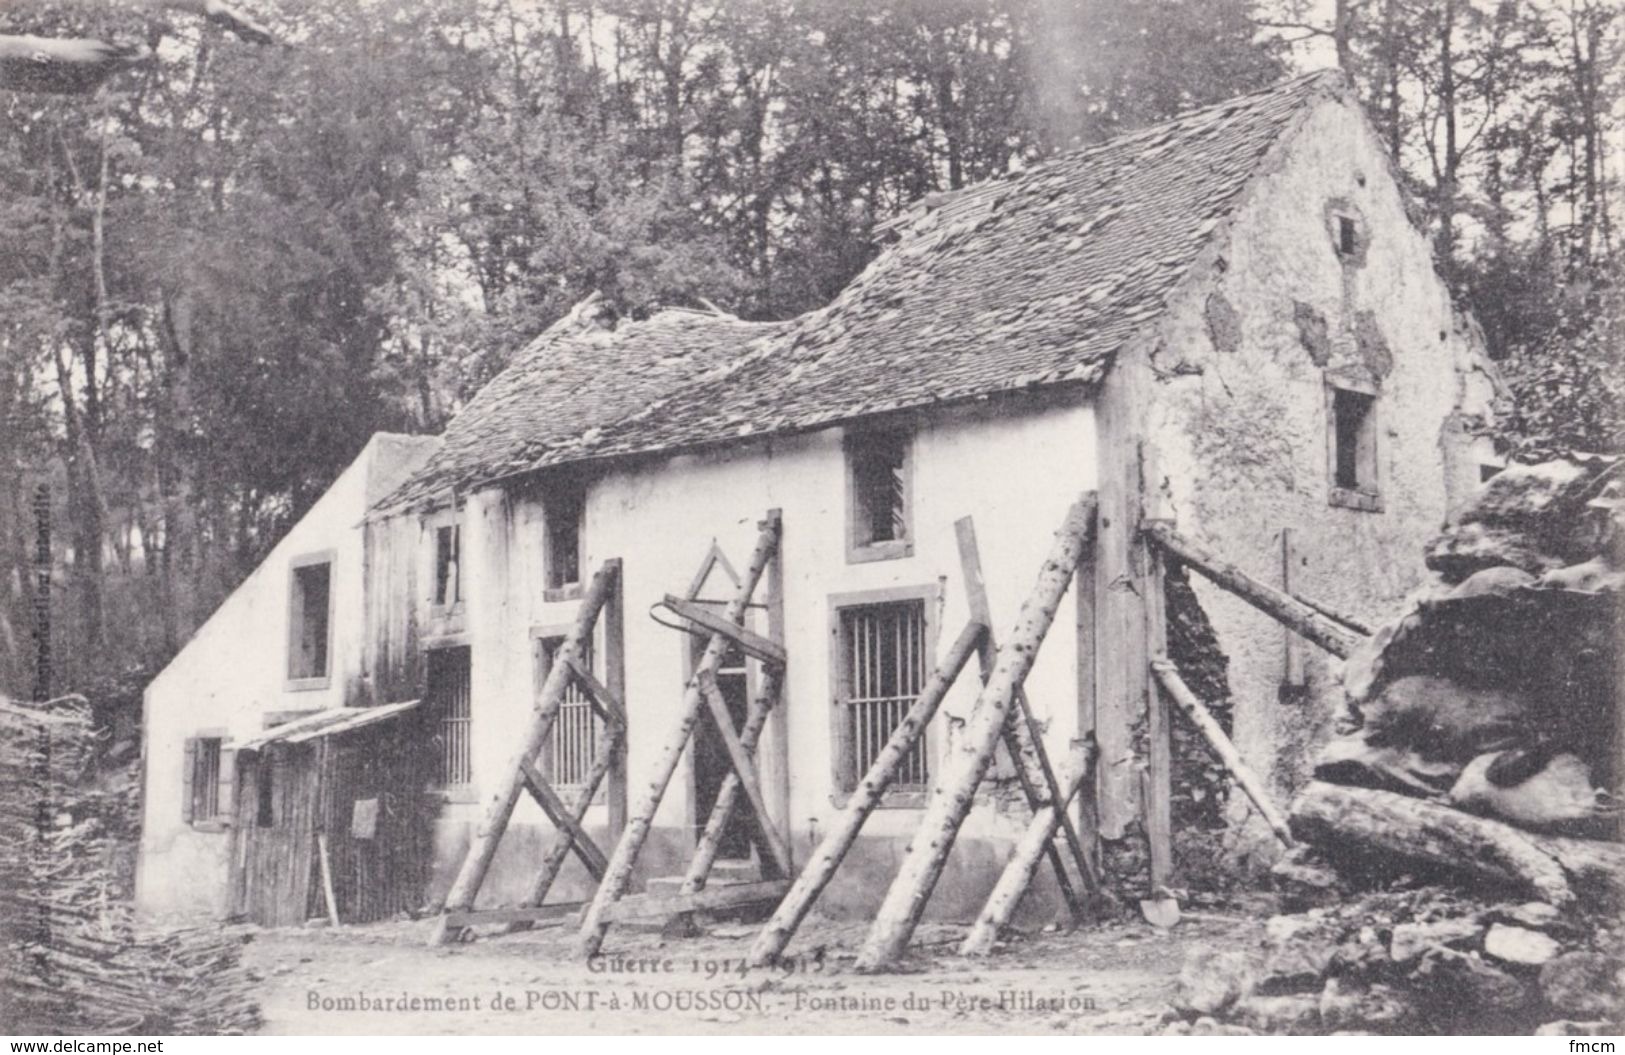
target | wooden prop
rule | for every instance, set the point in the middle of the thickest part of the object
(1367, 829)
(710, 841)
(820, 869)
(701, 692)
(523, 774)
(1018, 873)
(1022, 737)
(325, 861)
(1279, 606)
(1220, 744)
(952, 797)
(1161, 909)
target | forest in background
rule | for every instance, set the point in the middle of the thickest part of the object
(222, 272)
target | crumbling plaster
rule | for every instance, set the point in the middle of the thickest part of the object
(1241, 424)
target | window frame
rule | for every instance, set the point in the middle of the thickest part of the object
(438, 603)
(859, 550)
(555, 589)
(296, 682)
(1363, 498)
(220, 818)
(544, 643)
(466, 791)
(843, 759)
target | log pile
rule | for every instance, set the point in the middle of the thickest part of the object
(74, 959)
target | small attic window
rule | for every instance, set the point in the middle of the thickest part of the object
(879, 485)
(1352, 439)
(562, 508)
(1347, 235)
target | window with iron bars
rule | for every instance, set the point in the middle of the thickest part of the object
(450, 694)
(573, 743)
(882, 658)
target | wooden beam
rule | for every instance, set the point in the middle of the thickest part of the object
(821, 866)
(1018, 872)
(564, 819)
(1023, 738)
(1373, 829)
(752, 644)
(1222, 748)
(712, 899)
(1288, 611)
(326, 862)
(744, 768)
(1157, 802)
(614, 618)
(527, 915)
(1293, 680)
(604, 701)
(595, 923)
(954, 793)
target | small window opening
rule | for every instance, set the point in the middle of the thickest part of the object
(448, 585)
(1347, 236)
(264, 792)
(878, 463)
(1354, 465)
(562, 510)
(308, 644)
(1486, 472)
(206, 779)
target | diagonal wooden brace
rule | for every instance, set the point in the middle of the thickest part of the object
(710, 841)
(744, 768)
(605, 702)
(564, 819)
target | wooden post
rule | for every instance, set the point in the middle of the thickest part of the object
(618, 876)
(1157, 803)
(832, 850)
(1286, 610)
(1018, 873)
(1293, 682)
(42, 593)
(952, 797)
(499, 809)
(326, 863)
(615, 680)
(1088, 808)
(1223, 749)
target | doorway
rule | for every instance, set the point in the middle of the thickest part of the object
(711, 762)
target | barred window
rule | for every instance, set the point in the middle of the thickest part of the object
(451, 700)
(573, 743)
(882, 656)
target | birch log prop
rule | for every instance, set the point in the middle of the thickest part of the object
(710, 841)
(499, 809)
(951, 798)
(560, 850)
(1221, 746)
(618, 876)
(1367, 828)
(1023, 865)
(1283, 608)
(775, 936)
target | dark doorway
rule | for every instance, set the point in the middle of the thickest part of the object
(711, 762)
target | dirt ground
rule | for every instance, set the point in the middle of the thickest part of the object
(1114, 977)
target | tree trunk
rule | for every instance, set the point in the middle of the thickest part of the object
(1381, 830)
(952, 797)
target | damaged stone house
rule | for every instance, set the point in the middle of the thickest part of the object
(1228, 320)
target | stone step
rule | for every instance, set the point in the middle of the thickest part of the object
(722, 873)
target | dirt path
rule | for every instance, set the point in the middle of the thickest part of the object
(1112, 978)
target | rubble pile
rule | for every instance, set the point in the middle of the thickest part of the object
(72, 957)
(1420, 961)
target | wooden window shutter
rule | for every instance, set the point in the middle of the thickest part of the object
(188, 775)
(227, 798)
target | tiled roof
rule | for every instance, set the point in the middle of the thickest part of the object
(1032, 279)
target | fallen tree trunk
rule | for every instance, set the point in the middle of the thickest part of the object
(1367, 828)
